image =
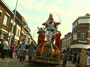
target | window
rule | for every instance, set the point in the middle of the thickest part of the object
(3, 35)
(83, 34)
(6, 19)
(18, 30)
(24, 36)
(0, 14)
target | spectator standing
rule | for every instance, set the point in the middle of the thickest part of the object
(13, 50)
(74, 57)
(5, 48)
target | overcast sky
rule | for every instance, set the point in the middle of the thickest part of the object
(37, 12)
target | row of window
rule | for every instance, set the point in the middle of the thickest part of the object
(6, 22)
(66, 43)
(6, 18)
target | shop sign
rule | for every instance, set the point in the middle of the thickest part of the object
(74, 36)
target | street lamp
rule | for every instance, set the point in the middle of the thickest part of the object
(13, 23)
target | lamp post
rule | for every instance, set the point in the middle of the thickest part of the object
(13, 23)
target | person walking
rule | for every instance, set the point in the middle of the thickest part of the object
(67, 54)
(5, 48)
(31, 50)
(23, 48)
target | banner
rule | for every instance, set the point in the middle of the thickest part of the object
(74, 36)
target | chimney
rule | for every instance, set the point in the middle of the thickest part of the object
(87, 14)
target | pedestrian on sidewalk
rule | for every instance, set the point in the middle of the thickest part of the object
(23, 52)
(31, 50)
(67, 54)
(13, 50)
(5, 48)
(74, 57)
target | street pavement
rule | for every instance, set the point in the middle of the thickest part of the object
(8, 62)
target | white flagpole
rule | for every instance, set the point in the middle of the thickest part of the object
(13, 23)
(15, 11)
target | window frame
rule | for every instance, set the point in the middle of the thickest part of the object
(6, 19)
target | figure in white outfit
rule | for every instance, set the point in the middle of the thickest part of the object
(51, 27)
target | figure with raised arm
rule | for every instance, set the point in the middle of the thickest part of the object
(50, 28)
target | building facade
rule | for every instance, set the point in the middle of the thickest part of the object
(81, 30)
(13, 30)
(67, 40)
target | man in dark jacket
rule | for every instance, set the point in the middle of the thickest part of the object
(67, 53)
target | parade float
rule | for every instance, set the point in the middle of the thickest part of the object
(48, 52)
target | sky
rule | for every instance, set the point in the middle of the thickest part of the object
(37, 12)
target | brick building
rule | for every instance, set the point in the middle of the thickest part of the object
(19, 27)
(81, 30)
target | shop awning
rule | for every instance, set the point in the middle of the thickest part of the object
(85, 46)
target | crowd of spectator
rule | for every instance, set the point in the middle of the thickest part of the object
(17, 50)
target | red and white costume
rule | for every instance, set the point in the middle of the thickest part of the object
(41, 37)
(58, 40)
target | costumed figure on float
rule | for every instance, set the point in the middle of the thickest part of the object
(58, 40)
(41, 36)
(48, 52)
